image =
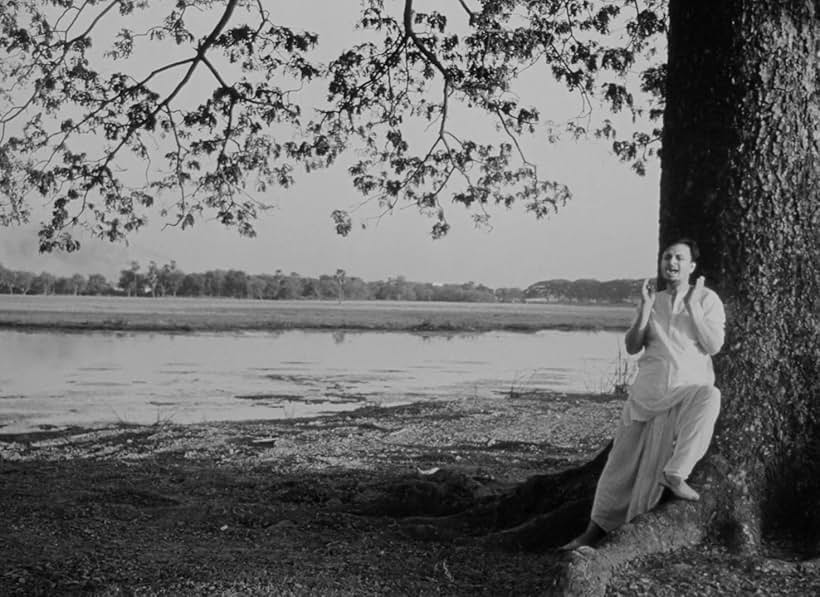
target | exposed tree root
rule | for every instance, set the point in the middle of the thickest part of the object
(812, 565)
(547, 511)
(544, 531)
(541, 512)
(543, 494)
(673, 525)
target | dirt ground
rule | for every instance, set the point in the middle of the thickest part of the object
(318, 507)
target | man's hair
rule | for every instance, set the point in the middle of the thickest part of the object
(693, 246)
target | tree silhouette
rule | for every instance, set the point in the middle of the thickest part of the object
(70, 80)
(340, 278)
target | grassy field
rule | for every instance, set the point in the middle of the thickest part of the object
(192, 314)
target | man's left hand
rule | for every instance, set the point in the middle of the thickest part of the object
(695, 293)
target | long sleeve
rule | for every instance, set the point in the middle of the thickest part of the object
(709, 321)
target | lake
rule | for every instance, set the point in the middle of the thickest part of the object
(51, 378)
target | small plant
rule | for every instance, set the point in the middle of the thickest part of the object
(623, 373)
(616, 379)
(164, 420)
(520, 382)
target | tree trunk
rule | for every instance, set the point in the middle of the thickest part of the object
(740, 175)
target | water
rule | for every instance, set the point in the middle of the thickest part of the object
(93, 378)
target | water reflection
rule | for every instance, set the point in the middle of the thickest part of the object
(53, 378)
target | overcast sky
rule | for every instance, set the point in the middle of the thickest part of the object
(608, 230)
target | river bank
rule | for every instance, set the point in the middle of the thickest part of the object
(315, 506)
(86, 313)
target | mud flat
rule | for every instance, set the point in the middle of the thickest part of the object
(316, 506)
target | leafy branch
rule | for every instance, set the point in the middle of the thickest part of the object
(81, 113)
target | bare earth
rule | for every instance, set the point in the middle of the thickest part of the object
(316, 507)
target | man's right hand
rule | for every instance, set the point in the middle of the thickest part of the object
(648, 293)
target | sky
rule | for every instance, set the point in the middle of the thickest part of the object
(608, 230)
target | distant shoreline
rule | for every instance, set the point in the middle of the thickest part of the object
(182, 315)
(104, 326)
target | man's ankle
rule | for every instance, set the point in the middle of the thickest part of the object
(679, 487)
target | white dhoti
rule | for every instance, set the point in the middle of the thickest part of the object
(670, 442)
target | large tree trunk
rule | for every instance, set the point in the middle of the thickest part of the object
(740, 174)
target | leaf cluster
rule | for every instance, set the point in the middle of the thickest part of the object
(106, 132)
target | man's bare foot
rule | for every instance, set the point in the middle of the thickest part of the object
(588, 538)
(680, 488)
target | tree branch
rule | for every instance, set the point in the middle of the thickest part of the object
(15, 112)
(200, 55)
(93, 24)
(408, 27)
(467, 10)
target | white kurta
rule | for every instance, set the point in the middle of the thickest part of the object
(668, 418)
(672, 358)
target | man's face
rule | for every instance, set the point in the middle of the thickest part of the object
(676, 263)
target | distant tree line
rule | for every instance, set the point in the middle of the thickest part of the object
(585, 290)
(168, 280)
(24, 282)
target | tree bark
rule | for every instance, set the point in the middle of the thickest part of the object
(740, 175)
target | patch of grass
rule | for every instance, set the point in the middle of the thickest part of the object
(190, 314)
